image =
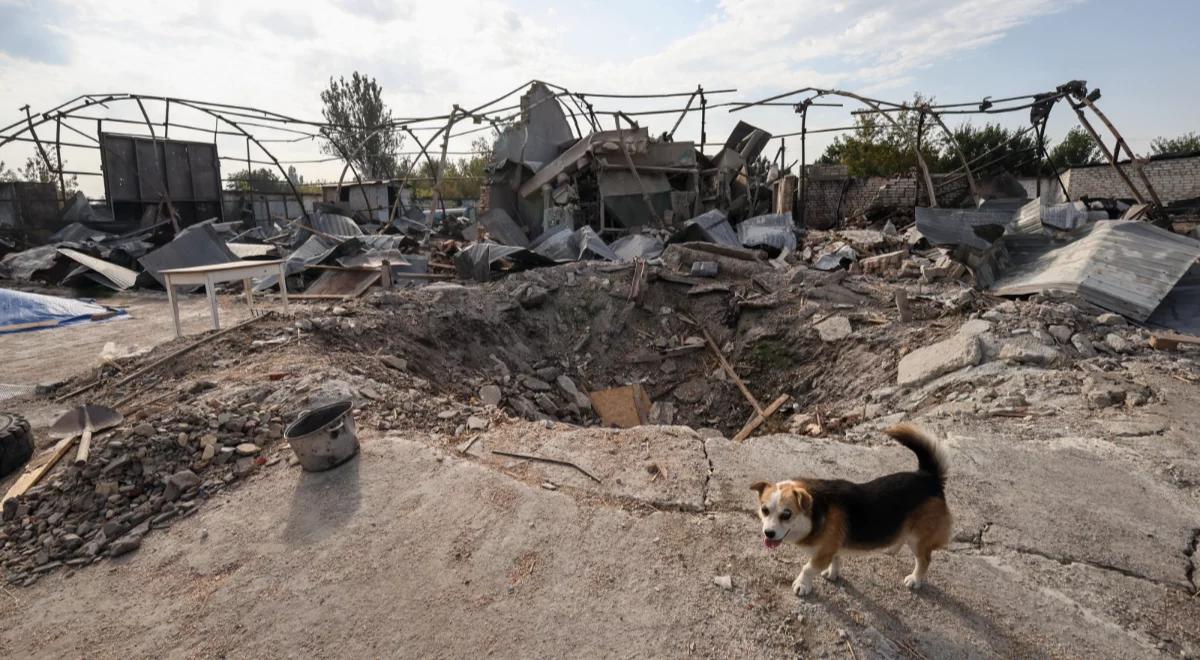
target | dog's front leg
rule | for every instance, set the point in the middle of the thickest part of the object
(819, 562)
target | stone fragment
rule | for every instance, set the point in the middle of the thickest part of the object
(399, 364)
(834, 328)
(1117, 343)
(490, 395)
(1028, 352)
(1082, 344)
(535, 384)
(1061, 333)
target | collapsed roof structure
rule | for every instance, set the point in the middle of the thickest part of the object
(560, 186)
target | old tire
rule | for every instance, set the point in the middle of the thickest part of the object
(16, 443)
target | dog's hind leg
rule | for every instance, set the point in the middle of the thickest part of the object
(916, 579)
(835, 566)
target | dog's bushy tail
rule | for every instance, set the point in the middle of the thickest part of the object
(930, 456)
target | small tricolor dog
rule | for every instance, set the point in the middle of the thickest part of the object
(829, 516)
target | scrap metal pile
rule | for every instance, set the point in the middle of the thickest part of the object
(560, 188)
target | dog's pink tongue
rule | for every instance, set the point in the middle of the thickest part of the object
(771, 543)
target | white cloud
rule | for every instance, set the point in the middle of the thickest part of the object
(279, 54)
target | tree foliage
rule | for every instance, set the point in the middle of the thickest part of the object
(39, 171)
(991, 147)
(878, 147)
(1078, 147)
(262, 180)
(1184, 144)
(462, 178)
(360, 126)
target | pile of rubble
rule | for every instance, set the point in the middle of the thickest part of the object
(143, 476)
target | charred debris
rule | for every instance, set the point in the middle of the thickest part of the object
(568, 182)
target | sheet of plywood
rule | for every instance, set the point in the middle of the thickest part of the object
(623, 407)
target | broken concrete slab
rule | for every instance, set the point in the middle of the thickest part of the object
(1027, 350)
(924, 364)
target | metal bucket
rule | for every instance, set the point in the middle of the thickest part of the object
(323, 438)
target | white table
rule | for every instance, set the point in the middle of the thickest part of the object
(213, 274)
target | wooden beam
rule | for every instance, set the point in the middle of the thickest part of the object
(729, 370)
(31, 477)
(760, 417)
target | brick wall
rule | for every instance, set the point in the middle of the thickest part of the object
(1173, 179)
(829, 184)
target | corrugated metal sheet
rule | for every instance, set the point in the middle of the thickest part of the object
(100, 271)
(1123, 266)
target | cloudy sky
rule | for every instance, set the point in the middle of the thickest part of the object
(429, 55)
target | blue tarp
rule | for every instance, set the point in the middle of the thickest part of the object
(18, 309)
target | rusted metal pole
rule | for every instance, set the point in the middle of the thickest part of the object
(441, 166)
(683, 114)
(36, 139)
(875, 105)
(1112, 160)
(804, 166)
(633, 168)
(1137, 162)
(62, 182)
(958, 150)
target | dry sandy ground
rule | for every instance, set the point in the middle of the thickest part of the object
(77, 348)
(1075, 538)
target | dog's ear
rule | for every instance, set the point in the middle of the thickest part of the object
(803, 500)
(759, 487)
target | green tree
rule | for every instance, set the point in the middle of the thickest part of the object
(463, 178)
(359, 126)
(991, 145)
(877, 147)
(1077, 148)
(261, 180)
(1184, 144)
(38, 170)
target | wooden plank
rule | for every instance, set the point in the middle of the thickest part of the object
(343, 284)
(28, 326)
(729, 370)
(1169, 341)
(758, 419)
(31, 477)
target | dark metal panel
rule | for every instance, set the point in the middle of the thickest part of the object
(179, 175)
(150, 180)
(120, 170)
(206, 172)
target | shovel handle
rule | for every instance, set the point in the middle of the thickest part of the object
(85, 448)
